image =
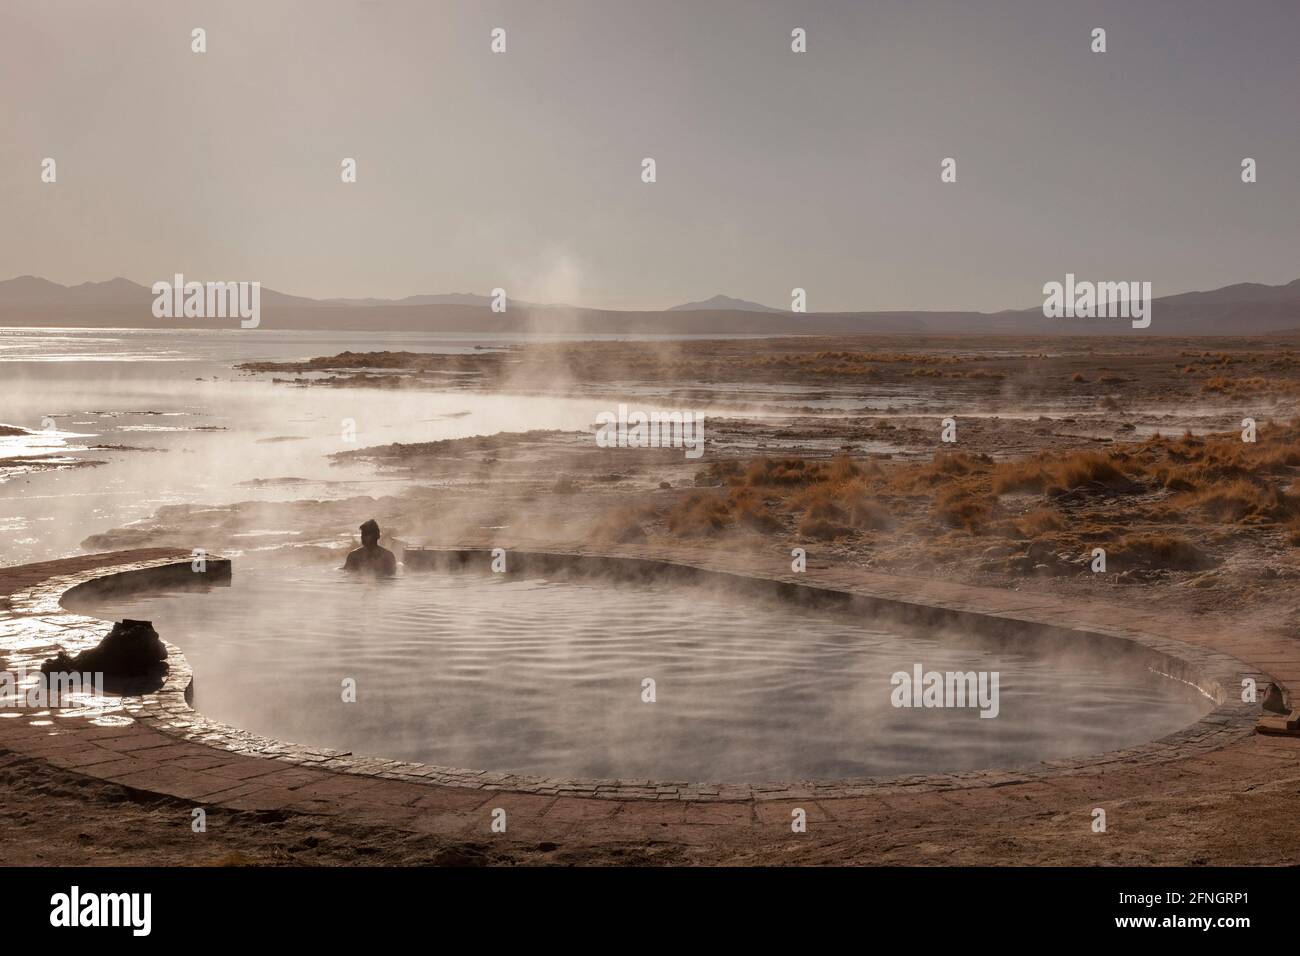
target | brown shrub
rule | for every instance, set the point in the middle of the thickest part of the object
(751, 511)
(1078, 470)
(1039, 522)
(1278, 456)
(847, 501)
(940, 469)
(764, 472)
(720, 470)
(1191, 462)
(699, 513)
(843, 468)
(806, 499)
(958, 508)
(1237, 500)
(827, 510)
(1086, 468)
(1172, 552)
(821, 529)
(1024, 475)
(869, 515)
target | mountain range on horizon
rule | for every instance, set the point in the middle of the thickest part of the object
(1238, 309)
(35, 291)
(724, 303)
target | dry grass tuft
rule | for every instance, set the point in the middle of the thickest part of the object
(699, 514)
(1188, 480)
(1237, 501)
(1169, 552)
(1056, 475)
(957, 507)
(822, 529)
(751, 512)
(1039, 522)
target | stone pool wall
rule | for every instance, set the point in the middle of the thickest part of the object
(159, 742)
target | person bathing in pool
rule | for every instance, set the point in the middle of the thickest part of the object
(370, 557)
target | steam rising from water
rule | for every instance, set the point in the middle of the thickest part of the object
(539, 677)
(195, 433)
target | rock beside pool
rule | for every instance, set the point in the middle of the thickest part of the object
(1274, 701)
(131, 650)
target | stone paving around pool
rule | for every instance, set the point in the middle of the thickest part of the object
(157, 744)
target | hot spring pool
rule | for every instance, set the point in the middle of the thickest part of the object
(545, 677)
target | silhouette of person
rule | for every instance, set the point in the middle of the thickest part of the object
(370, 557)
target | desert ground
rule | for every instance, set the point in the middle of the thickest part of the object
(1062, 446)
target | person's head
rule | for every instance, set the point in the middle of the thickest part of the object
(370, 533)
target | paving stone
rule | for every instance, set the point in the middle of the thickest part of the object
(446, 798)
(262, 798)
(575, 809)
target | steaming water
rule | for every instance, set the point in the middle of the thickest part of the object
(543, 677)
(182, 427)
(162, 419)
(127, 421)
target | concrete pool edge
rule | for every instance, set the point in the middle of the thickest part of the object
(167, 712)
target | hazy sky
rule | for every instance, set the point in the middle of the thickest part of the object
(775, 169)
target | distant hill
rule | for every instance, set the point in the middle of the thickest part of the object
(28, 292)
(1241, 309)
(455, 298)
(1242, 293)
(35, 291)
(724, 303)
